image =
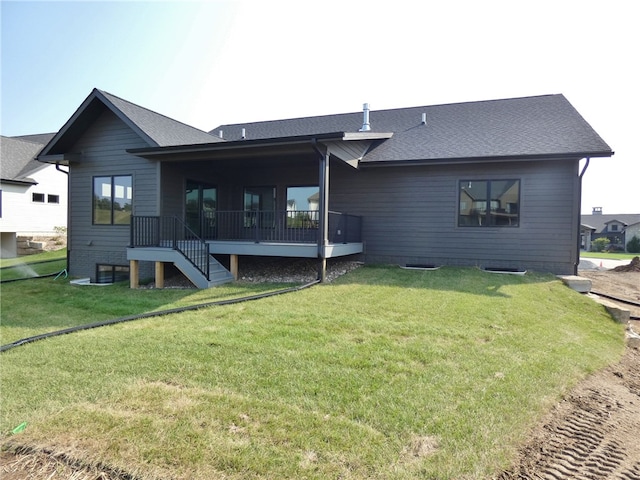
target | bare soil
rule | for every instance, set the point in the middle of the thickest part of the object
(591, 434)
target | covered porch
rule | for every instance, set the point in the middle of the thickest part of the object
(237, 233)
(264, 197)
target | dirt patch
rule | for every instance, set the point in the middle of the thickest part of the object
(633, 266)
(620, 284)
(45, 466)
(593, 432)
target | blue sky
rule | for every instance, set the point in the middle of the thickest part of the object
(211, 62)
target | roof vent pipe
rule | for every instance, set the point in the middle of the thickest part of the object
(424, 119)
(244, 134)
(366, 126)
(220, 134)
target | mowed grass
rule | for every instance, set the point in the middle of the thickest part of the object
(610, 255)
(46, 263)
(384, 373)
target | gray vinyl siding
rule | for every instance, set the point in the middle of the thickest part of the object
(410, 215)
(102, 152)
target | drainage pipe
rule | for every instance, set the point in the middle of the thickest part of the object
(31, 278)
(141, 316)
(578, 245)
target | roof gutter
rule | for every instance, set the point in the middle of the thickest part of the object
(493, 159)
(10, 181)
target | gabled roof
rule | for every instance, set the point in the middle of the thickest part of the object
(542, 126)
(599, 222)
(18, 157)
(155, 129)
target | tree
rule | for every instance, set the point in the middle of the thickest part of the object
(599, 244)
(633, 245)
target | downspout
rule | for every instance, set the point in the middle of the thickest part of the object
(323, 233)
(66, 172)
(584, 169)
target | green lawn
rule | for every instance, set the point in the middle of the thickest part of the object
(31, 266)
(613, 256)
(384, 373)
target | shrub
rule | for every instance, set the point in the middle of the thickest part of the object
(599, 244)
(633, 245)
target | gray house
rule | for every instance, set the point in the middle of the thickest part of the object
(617, 228)
(494, 184)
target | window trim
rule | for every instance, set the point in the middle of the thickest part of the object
(487, 211)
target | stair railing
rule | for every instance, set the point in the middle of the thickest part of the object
(171, 232)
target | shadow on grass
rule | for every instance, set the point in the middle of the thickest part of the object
(455, 279)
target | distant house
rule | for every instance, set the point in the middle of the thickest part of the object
(614, 227)
(33, 195)
(632, 230)
(491, 184)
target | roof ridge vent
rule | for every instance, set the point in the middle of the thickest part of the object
(366, 126)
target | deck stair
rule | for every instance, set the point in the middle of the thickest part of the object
(169, 239)
(218, 274)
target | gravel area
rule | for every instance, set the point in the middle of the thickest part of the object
(273, 269)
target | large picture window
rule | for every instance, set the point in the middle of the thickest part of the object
(112, 198)
(489, 203)
(303, 206)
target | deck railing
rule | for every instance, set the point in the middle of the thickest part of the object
(299, 226)
(170, 232)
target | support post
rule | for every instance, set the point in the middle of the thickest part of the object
(134, 274)
(159, 274)
(323, 233)
(233, 266)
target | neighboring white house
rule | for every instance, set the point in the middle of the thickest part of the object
(33, 195)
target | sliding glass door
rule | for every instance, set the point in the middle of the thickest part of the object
(200, 208)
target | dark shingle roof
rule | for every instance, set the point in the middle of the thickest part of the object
(529, 126)
(18, 154)
(162, 130)
(155, 129)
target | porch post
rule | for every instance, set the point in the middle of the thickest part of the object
(323, 233)
(133, 274)
(159, 274)
(233, 266)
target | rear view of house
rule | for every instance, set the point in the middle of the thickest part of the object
(492, 184)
